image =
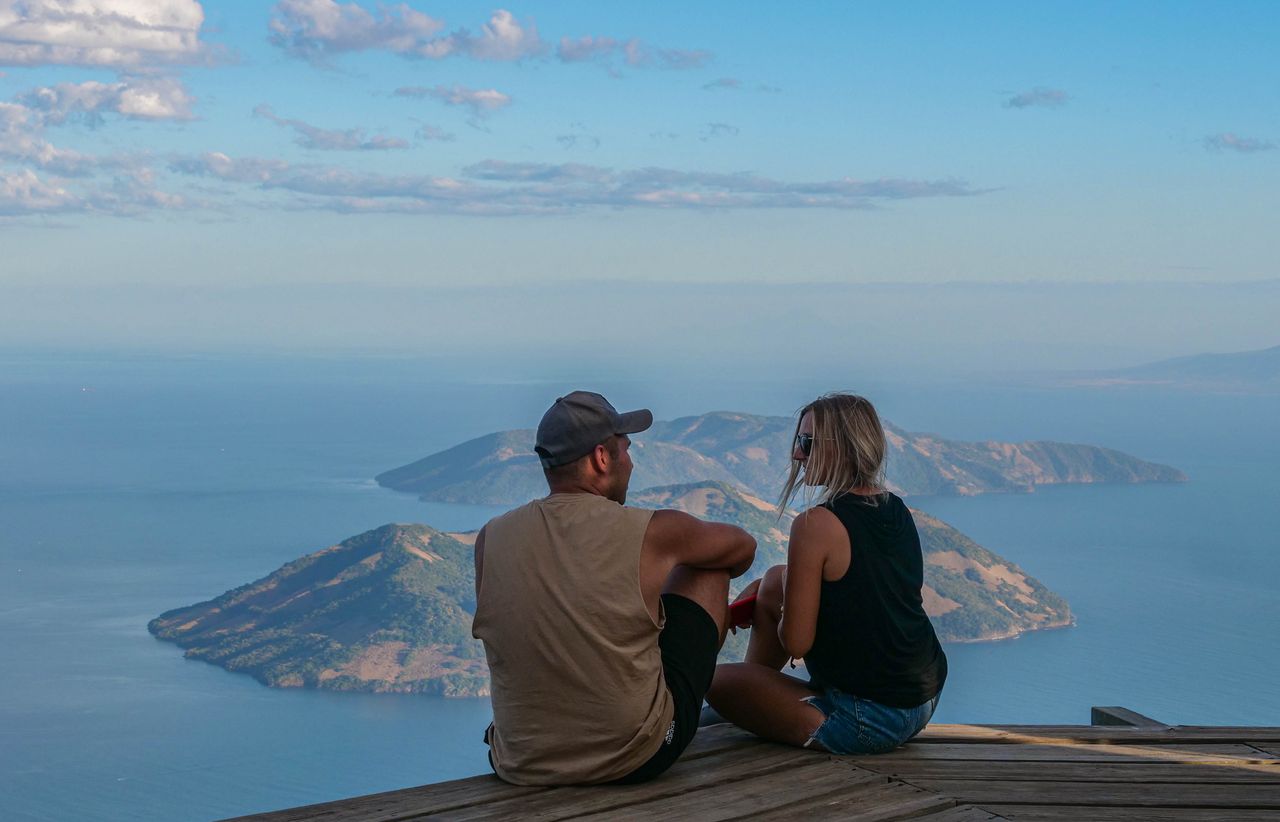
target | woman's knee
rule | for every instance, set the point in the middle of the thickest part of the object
(773, 586)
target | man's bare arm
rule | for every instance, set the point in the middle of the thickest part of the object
(682, 539)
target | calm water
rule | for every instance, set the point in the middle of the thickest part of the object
(131, 487)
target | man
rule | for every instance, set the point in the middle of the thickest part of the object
(601, 623)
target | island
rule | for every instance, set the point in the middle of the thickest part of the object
(753, 453)
(390, 610)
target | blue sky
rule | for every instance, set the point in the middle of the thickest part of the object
(310, 142)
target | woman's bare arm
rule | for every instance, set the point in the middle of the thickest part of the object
(816, 536)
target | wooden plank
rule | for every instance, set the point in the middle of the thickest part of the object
(1030, 733)
(1166, 772)
(1228, 733)
(890, 801)
(392, 805)
(991, 792)
(963, 813)
(708, 772)
(1074, 813)
(750, 797)
(1089, 733)
(443, 796)
(1115, 715)
(1069, 752)
(716, 738)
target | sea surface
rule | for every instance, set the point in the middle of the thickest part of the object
(132, 485)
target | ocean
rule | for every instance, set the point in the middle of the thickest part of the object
(130, 485)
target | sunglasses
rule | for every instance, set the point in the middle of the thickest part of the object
(805, 443)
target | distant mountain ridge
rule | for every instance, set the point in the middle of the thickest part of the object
(1236, 371)
(753, 453)
(390, 610)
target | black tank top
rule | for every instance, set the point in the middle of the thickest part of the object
(874, 639)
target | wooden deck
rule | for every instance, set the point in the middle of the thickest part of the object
(950, 773)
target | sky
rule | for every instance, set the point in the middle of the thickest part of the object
(185, 174)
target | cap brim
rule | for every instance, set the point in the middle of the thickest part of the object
(633, 422)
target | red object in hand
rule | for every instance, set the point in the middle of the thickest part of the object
(740, 612)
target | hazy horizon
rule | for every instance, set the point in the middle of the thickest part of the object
(914, 329)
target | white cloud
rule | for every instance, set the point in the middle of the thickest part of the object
(729, 83)
(22, 140)
(1044, 97)
(222, 166)
(313, 29)
(52, 179)
(681, 58)
(714, 130)
(501, 39)
(23, 192)
(495, 187)
(107, 33)
(586, 48)
(352, 139)
(479, 101)
(317, 29)
(632, 52)
(141, 98)
(437, 134)
(1227, 141)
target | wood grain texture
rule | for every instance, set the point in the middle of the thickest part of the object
(714, 773)
(891, 800)
(1019, 734)
(753, 797)
(1163, 772)
(1071, 752)
(1074, 813)
(1126, 794)
(953, 773)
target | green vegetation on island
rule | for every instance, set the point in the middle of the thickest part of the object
(390, 610)
(387, 610)
(753, 453)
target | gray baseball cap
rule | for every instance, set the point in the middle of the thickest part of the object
(580, 421)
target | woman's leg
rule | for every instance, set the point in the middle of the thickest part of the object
(755, 694)
(764, 647)
(766, 702)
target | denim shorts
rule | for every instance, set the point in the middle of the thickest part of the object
(860, 726)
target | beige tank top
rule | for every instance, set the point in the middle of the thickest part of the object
(578, 691)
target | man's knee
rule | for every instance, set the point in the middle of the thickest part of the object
(708, 588)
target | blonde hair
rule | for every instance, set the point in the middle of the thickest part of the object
(847, 455)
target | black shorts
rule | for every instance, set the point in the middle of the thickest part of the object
(689, 643)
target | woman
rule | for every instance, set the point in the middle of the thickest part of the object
(847, 602)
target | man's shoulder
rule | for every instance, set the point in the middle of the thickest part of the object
(514, 514)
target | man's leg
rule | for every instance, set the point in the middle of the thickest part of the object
(696, 606)
(709, 589)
